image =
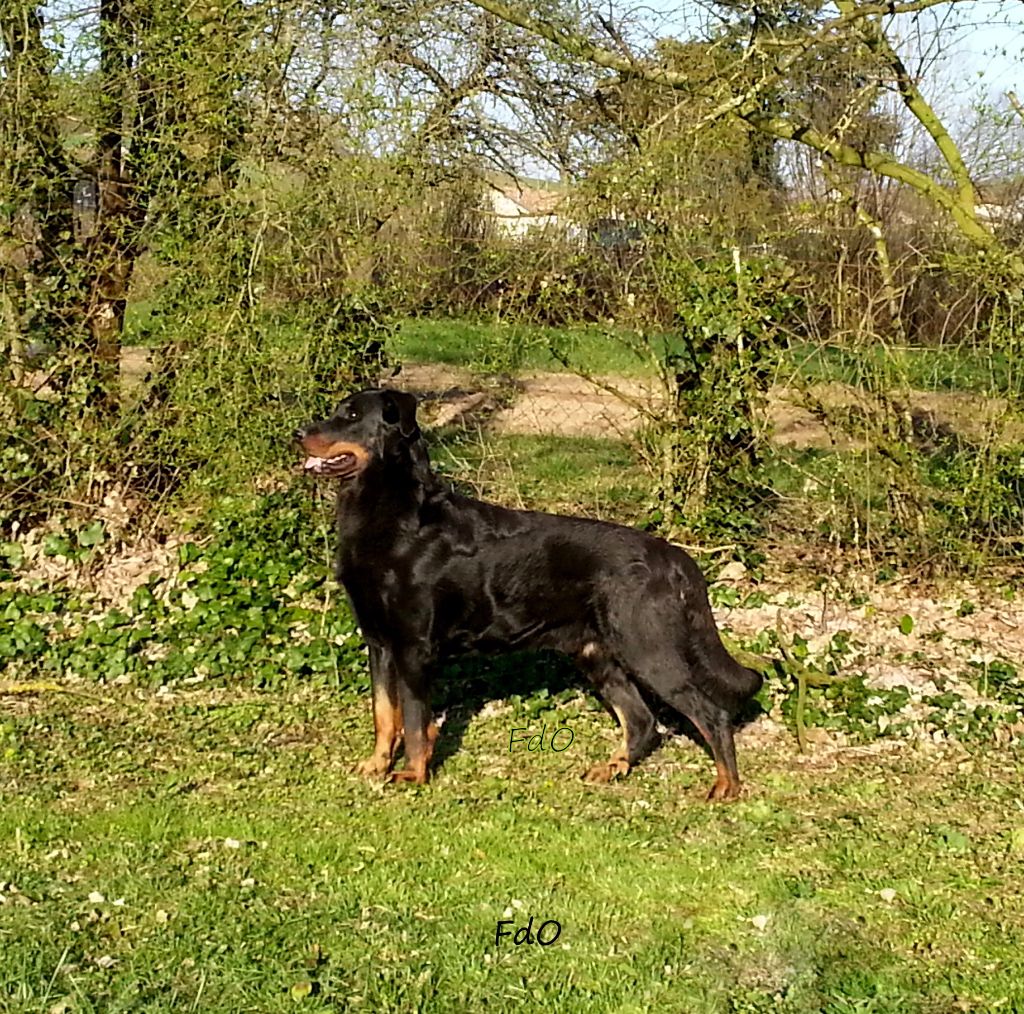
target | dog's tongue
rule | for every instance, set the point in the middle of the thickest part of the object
(313, 464)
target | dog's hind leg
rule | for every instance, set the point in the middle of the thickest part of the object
(715, 725)
(639, 732)
(670, 678)
(387, 715)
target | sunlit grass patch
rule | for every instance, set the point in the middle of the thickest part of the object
(215, 853)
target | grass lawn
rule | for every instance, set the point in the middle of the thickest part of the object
(598, 476)
(947, 368)
(506, 347)
(210, 851)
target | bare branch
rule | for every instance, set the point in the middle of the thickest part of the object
(918, 106)
(883, 165)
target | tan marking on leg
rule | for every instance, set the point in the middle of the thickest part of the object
(387, 727)
(608, 770)
(618, 764)
(417, 768)
(625, 730)
(590, 649)
(723, 788)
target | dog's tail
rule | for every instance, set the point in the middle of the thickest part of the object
(729, 682)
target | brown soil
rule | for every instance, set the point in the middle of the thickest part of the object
(571, 406)
(567, 405)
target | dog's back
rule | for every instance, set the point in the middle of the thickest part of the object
(514, 579)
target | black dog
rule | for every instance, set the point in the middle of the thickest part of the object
(432, 574)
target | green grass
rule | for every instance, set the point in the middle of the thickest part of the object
(950, 368)
(600, 476)
(506, 347)
(178, 847)
(257, 874)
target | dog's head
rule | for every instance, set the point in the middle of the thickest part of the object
(368, 426)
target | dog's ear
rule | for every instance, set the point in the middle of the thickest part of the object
(400, 408)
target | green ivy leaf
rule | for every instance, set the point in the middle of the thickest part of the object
(91, 535)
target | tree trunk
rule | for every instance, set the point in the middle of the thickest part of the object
(37, 263)
(110, 249)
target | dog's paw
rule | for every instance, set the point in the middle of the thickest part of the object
(723, 791)
(374, 766)
(606, 771)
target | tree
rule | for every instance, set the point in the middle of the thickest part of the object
(137, 144)
(789, 47)
(185, 106)
(37, 185)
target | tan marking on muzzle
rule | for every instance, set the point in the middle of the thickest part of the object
(317, 446)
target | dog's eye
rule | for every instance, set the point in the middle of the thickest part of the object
(351, 415)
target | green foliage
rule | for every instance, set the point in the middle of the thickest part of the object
(999, 679)
(266, 245)
(979, 491)
(732, 315)
(826, 690)
(539, 279)
(851, 707)
(923, 476)
(28, 460)
(250, 602)
(52, 447)
(233, 391)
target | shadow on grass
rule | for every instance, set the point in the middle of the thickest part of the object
(467, 685)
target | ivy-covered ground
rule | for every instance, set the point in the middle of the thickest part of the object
(180, 828)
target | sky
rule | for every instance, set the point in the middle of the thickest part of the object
(990, 52)
(987, 38)
(982, 60)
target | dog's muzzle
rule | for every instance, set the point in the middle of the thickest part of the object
(335, 460)
(340, 466)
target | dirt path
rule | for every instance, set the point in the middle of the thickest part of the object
(567, 405)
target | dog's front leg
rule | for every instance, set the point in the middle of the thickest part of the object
(420, 730)
(387, 714)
